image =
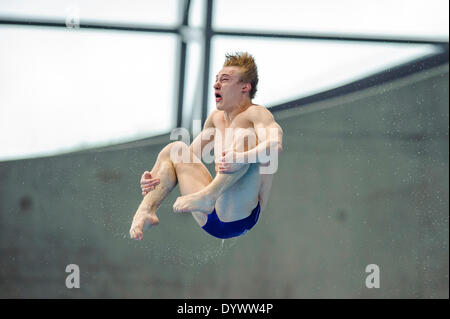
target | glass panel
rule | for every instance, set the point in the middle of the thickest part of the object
(193, 83)
(152, 12)
(62, 89)
(290, 69)
(408, 18)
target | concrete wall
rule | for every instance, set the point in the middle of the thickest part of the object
(363, 180)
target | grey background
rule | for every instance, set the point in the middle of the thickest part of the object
(363, 180)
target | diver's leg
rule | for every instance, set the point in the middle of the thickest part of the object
(191, 178)
(206, 198)
(238, 201)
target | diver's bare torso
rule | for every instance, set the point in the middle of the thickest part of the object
(240, 199)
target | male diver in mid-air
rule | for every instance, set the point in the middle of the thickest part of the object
(228, 205)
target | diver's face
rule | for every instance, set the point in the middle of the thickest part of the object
(228, 88)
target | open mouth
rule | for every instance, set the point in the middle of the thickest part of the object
(218, 97)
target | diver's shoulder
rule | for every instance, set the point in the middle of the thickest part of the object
(257, 110)
(214, 114)
(257, 107)
(211, 119)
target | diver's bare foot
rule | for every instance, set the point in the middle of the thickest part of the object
(141, 221)
(197, 202)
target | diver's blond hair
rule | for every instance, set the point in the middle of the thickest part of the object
(247, 64)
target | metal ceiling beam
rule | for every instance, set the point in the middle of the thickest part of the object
(313, 36)
(211, 32)
(88, 25)
(206, 58)
(182, 63)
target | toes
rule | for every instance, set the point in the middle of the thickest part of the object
(180, 210)
(177, 208)
(136, 234)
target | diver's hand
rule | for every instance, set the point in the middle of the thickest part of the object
(148, 183)
(228, 162)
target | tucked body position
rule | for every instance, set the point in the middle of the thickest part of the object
(246, 141)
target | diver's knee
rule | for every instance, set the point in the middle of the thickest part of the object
(178, 152)
(170, 150)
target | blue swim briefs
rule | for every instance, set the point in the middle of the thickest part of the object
(217, 228)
